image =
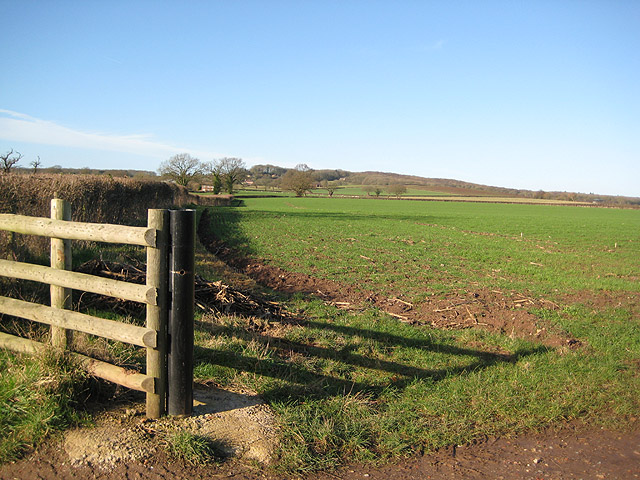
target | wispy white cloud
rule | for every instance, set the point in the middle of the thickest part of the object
(434, 46)
(112, 60)
(19, 127)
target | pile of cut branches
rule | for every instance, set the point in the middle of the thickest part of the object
(210, 297)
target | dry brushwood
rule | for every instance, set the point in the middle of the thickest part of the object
(210, 297)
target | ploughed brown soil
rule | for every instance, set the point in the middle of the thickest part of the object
(573, 451)
(494, 310)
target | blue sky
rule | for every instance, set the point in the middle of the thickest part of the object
(536, 95)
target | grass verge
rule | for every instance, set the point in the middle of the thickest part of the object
(38, 396)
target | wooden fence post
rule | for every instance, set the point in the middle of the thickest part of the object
(182, 290)
(60, 259)
(157, 315)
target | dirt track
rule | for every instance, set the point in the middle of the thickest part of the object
(571, 453)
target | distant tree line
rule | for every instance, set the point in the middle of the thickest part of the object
(226, 174)
(222, 174)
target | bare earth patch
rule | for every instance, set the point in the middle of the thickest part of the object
(573, 452)
(498, 311)
(238, 421)
(108, 444)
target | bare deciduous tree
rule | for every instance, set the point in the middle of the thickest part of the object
(233, 172)
(36, 164)
(297, 181)
(211, 170)
(9, 160)
(227, 172)
(397, 189)
(181, 168)
(329, 187)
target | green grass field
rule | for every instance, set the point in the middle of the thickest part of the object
(361, 386)
(438, 245)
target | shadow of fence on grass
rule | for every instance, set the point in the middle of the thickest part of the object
(296, 364)
(292, 362)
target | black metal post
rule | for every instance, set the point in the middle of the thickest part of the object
(182, 290)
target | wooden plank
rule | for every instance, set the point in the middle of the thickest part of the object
(157, 315)
(79, 281)
(98, 232)
(60, 260)
(97, 368)
(67, 319)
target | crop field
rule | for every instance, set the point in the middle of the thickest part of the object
(356, 379)
(417, 248)
(362, 190)
(347, 190)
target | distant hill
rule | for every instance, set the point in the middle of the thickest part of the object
(458, 187)
(445, 185)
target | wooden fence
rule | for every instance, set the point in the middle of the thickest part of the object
(156, 294)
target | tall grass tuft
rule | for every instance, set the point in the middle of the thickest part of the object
(194, 449)
(320, 434)
(38, 395)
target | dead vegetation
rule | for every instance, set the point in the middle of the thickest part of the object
(210, 297)
(504, 312)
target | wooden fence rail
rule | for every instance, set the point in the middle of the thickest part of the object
(90, 283)
(154, 294)
(65, 229)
